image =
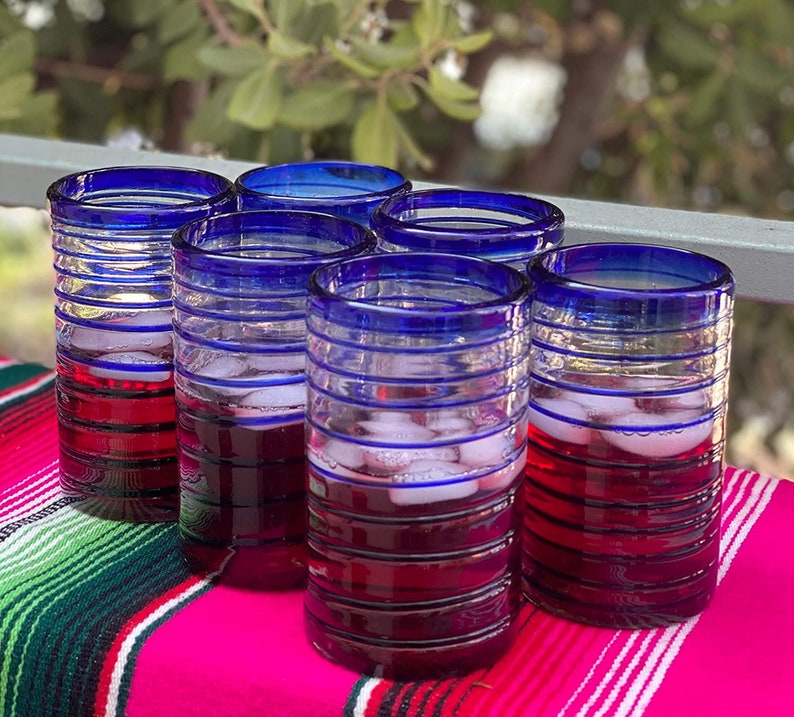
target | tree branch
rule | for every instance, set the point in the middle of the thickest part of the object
(592, 60)
(108, 76)
(221, 26)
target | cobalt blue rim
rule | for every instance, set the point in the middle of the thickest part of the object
(520, 224)
(700, 274)
(356, 183)
(328, 284)
(191, 253)
(590, 281)
(86, 198)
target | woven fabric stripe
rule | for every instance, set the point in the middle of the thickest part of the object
(120, 662)
(15, 377)
(69, 581)
(623, 668)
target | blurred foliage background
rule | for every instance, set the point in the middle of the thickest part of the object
(686, 104)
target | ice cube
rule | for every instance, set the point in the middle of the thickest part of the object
(397, 431)
(278, 396)
(599, 404)
(269, 363)
(83, 337)
(133, 358)
(688, 400)
(643, 383)
(559, 428)
(389, 418)
(335, 469)
(488, 415)
(222, 367)
(456, 425)
(505, 476)
(488, 451)
(658, 441)
(412, 492)
(157, 317)
(343, 453)
(394, 460)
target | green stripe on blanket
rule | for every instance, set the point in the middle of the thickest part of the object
(17, 373)
(69, 582)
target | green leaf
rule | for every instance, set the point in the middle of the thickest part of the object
(402, 96)
(232, 61)
(707, 14)
(180, 58)
(385, 55)
(178, 21)
(9, 24)
(322, 104)
(317, 22)
(779, 21)
(451, 89)
(375, 139)
(17, 53)
(410, 146)
(464, 111)
(473, 43)
(15, 90)
(141, 13)
(688, 47)
(210, 123)
(348, 61)
(759, 73)
(429, 21)
(252, 7)
(704, 104)
(740, 108)
(37, 115)
(288, 48)
(284, 12)
(256, 101)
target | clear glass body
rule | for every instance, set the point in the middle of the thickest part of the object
(508, 228)
(344, 189)
(111, 235)
(240, 283)
(628, 392)
(416, 440)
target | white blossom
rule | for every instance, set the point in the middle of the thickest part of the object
(520, 101)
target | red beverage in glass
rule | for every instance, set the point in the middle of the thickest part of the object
(615, 538)
(242, 487)
(117, 439)
(414, 579)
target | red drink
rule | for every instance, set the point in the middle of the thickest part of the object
(411, 580)
(619, 539)
(242, 489)
(117, 440)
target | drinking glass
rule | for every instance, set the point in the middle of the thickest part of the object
(344, 189)
(240, 283)
(628, 390)
(416, 441)
(508, 228)
(112, 242)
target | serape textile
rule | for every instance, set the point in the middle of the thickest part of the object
(102, 618)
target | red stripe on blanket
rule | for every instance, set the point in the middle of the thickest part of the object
(114, 654)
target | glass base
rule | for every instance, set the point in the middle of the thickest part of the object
(617, 616)
(250, 567)
(411, 660)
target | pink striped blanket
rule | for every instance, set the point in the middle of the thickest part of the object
(102, 618)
